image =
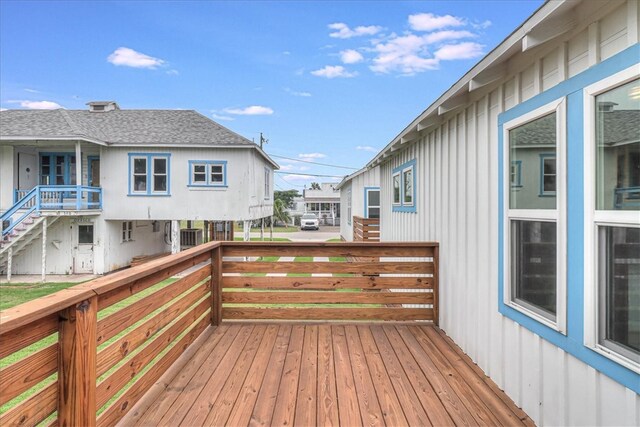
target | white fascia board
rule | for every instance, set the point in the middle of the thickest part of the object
(493, 58)
(48, 138)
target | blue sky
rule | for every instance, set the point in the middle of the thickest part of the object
(330, 82)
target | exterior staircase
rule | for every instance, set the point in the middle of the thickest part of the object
(22, 237)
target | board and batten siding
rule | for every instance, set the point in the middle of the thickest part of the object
(242, 199)
(368, 178)
(457, 205)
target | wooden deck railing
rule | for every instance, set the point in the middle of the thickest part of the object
(87, 354)
(366, 229)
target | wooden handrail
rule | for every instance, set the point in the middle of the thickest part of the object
(366, 229)
(96, 352)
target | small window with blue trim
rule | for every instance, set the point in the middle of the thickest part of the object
(404, 187)
(207, 173)
(516, 174)
(548, 174)
(149, 174)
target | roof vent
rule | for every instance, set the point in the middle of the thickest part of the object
(102, 106)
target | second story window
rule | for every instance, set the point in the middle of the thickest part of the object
(403, 180)
(207, 173)
(149, 174)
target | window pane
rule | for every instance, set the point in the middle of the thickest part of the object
(140, 183)
(408, 186)
(529, 145)
(216, 177)
(533, 266)
(374, 198)
(199, 177)
(216, 168)
(396, 189)
(374, 213)
(619, 287)
(139, 165)
(618, 148)
(160, 183)
(199, 168)
(85, 234)
(160, 166)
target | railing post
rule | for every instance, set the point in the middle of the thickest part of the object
(436, 284)
(216, 286)
(77, 356)
(78, 197)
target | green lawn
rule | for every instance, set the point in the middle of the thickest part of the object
(266, 239)
(12, 294)
(334, 241)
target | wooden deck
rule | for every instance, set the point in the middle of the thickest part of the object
(327, 374)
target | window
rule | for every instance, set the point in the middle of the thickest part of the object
(404, 187)
(349, 211)
(372, 202)
(57, 169)
(612, 223)
(396, 188)
(535, 279)
(85, 234)
(267, 183)
(516, 173)
(149, 174)
(127, 231)
(207, 173)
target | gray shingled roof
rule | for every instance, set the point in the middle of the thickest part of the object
(157, 127)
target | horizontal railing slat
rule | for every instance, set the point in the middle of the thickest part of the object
(311, 283)
(327, 297)
(33, 410)
(118, 379)
(317, 313)
(25, 373)
(124, 403)
(111, 325)
(28, 334)
(118, 350)
(353, 249)
(328, 267)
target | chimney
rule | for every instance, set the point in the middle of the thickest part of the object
(102, 106)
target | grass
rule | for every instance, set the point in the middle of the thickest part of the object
(266, 239)
(12, 294)
(334, 241)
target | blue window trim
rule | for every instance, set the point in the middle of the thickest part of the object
(149, 157)
(366, 200)
(518, 182)
(208, 164)
(67, 167)
(573, 342)
(541, 192)
(402, 207)
(89, 169)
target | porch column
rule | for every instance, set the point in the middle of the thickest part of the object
(246, 228)
(175, 236)
(79, 176)
(44, 249)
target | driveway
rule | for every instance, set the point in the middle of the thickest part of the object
(325, 233)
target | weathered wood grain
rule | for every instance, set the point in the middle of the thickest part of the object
(408, 267)
(33, 410)
(310, 297)
(316, 313)
(317, 283)
(24, 374)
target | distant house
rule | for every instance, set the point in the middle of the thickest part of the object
(360, 199)
(297, 209)
(325, 203)
(527, 173)
(104, 185)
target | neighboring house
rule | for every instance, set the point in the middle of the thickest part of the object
(297, 210)
(325, 203)
(359, 201)
(104, 185)
(527, 172)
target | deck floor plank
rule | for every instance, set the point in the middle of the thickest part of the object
(261, 374)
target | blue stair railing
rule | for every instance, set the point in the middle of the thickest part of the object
(50, 198)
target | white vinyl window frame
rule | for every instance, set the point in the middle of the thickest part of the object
(144, 174)
(557, 215)
(405, 172)
(267, 183)
(594, 219)
(155, 174)
(396, 202)
(349, 208)
(127, 231)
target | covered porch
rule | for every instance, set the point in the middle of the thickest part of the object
(244, 333)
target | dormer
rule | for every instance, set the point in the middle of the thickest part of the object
(102, 106)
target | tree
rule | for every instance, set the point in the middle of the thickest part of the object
(286, 196)
(280, 213)
(315, 186)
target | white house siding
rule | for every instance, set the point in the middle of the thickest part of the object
(369, 178)
(118, 254)
(243, 199)
(457, 205)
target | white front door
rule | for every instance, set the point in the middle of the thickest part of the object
(83, 251)
(27, 171)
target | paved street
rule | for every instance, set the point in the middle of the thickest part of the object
(325, 233)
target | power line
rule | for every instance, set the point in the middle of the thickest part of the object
(311, 174)
(313, 163)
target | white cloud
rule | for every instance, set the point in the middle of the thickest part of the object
(430, 22)
(3, 109)
(173, 72)
(38, 105)
(296, 93)
(440, 36)
(287, 168)
(295, 177)
(367, 148)
(253, 110)
(404, 54)
(31, 90)
(333, 71)
(342, 30)
(126, 57)
(286, 52)
(481, 25)
(221, 117)
(307, 156)
(351, 56)
(466, 50)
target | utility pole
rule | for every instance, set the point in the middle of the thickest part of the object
(263, 140)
